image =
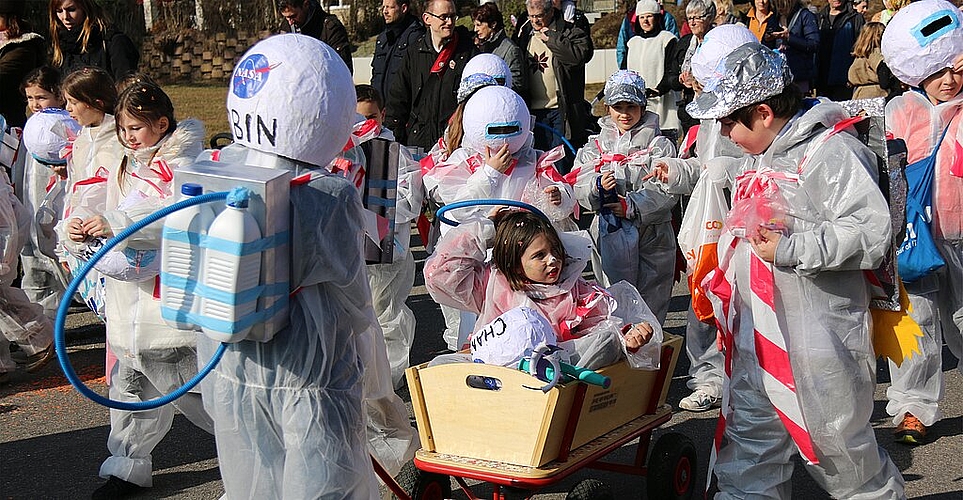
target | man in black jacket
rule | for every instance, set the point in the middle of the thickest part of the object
(401, 30)
(558, 52)
(422, 97)
(308, 18)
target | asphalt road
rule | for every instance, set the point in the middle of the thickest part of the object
(52, 440)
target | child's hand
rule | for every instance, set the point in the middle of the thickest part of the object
(659, 171)
(639, 335)
(75, 230)
(97, 226)
(618, 208)
(60, 170)
(764, 242)
(958, 64)
(554, 195)
(501, 160)
(608, 180)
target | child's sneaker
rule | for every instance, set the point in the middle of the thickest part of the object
(910, 430)
(700, 400)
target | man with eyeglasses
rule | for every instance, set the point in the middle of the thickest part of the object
(558, 52)
(308, 18)
(422, 97)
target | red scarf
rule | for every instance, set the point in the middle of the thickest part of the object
(438, 67)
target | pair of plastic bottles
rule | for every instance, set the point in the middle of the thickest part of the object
(209, 279)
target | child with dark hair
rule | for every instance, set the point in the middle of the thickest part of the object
(792, 301)
(532, 265)
(41, 276)
(152, 357)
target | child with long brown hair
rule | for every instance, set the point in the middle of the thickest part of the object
(862, 73)
(152, 357)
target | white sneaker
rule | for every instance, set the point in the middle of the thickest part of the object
(700, 400)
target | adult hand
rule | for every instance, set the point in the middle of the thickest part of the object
(542, 34)
(554, 195)
(97, 226)
(764, 242)
(659, 171)
(501, 160)
(608, 180)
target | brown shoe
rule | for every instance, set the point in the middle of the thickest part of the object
(910, 430)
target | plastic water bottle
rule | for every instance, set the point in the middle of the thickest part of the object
(181, 258)
(225, 271)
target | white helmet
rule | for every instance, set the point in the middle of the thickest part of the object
(291, 95)
(47, 133)
(495, 116)
(922, 39)
(490, 64)
(719, 43)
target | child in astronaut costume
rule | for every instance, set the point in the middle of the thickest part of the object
(705, 358)
(497, 159)
(921, 117)
(291, 413)
(616, 160)
(534, 266)
(152, 358)
(791, 296)
(21, 321)
(390, 283)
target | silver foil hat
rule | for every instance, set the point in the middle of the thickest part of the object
(471, 83)
(625, 85)
(749, 75)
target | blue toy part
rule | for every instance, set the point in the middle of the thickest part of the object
(560, 135)
(570, 372)
(60, 344)
(482, 202)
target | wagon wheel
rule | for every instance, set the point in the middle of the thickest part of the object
(672, 468)
(421, 485)
(590, 489)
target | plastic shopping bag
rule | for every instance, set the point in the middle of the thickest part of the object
(698, 238)
(618, 247)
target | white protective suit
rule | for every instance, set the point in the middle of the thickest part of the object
(648, 206)
(291, 413)
(21, 321)
(838, 225)
(153, 359)
(705, 359)
(41, 281)
(936, 299)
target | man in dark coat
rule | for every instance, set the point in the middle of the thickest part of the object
(402, 28)
(558, 51)
(422, 97)
(308, 18)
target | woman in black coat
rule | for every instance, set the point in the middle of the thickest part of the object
(21, 51)
(81, 35)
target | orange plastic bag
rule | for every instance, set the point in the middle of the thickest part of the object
(699, 236)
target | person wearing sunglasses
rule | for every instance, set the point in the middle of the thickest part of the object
(422, 97)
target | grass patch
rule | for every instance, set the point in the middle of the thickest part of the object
(204, 102)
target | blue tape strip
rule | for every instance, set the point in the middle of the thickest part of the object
(518, 131)
(382, 184)
(242, 297)
(228, 247)
(925, 40)
(382, 202)
(222, 326)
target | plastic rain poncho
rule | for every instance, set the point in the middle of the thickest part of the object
(21, 321)
(583, 315)
(291, 414)
(837, 226)
(936, 299)
(152, 358)
(630, 156)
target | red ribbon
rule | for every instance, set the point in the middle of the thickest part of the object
(438, 67)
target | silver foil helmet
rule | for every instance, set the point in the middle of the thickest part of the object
(749, 75)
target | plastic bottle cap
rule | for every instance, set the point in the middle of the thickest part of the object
(191, 189)
(238, 197)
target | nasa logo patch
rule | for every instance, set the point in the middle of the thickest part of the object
(251, 75)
